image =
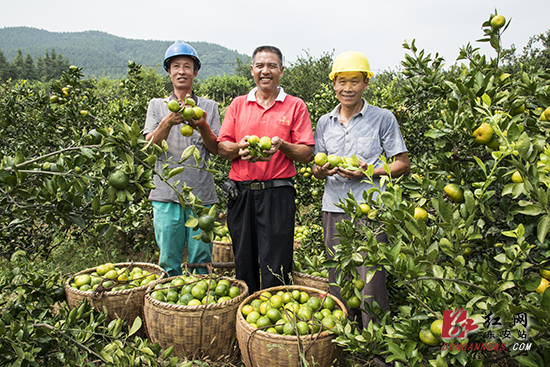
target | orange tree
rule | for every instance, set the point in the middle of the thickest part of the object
(484, 245)
(73, 164)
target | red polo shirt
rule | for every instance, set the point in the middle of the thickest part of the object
(286, 118)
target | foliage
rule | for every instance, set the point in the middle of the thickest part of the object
(304, 77)
(482, 254)
(55, 179)
(224, 88)
(37, 328)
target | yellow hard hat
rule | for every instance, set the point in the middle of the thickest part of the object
(350, 61)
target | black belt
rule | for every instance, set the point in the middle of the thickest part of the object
(262, 185)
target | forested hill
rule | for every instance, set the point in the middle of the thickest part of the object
(102, 54)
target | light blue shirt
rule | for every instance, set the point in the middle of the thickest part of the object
(370, 133)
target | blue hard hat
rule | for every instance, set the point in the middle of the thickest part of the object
(180, 48)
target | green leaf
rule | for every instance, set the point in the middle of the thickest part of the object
(164, 146)
(187, 152)
(532, 210)
(167, 353)
(135, 326)
(192, 222)
(526, 361)
(397, 352)
(481, 164)
(486, 99)
(543, 227)
(545, 301)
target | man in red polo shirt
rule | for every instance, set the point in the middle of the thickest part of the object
(261, 201)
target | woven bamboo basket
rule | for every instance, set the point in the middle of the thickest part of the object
(263, 349)
(126, 304)
(208, 330)
(307, 280)
(222, 252)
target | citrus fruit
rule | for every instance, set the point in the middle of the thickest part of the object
(545, 273)
(455, 192)
(186, 130)
(263, 321)
(222, 290)
(328, 322)
(265, 143)
(234, 291)
(253, 140)
(288, 329)
(158, 295)
(188, 113)
(102, 269)
(365, 208)
(314, 303)
(111, 274)
(484, 133)
(437, 327)
(198, 113)
(276, 301)
(354, 302)
(273, 314)
(547, 113)
(303, 328)
(253, 317)
(544, 283)
(174, 105)
(194, 302)
(81, 280)
(420, 214)
(119, 179)
(516, 177)
(320, 159)
(334, 161)
(328, 303)
(359, 284)
(428, 338)
(206, 222)
(498, 21)
(198, 292)
(190, 102)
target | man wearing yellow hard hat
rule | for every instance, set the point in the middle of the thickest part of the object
(356, 128)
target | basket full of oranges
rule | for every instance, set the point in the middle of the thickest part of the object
(194, 313)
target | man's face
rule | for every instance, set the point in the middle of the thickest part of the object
(182, 72)
(349, 87)
(266, 70)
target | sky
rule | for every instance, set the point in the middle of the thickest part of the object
(299, 27)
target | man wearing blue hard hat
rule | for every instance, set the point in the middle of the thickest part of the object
(182, 63)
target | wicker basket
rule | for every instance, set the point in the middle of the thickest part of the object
(222, 252)
(126, 304)
(263, 349)
(207, 329)
(307, 280)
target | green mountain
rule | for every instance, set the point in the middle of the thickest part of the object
(102, 54)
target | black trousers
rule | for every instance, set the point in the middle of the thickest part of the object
(376, 288)
(261, 224)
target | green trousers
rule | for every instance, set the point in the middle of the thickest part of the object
(172, 236)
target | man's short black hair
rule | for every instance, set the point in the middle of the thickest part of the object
(271, 49)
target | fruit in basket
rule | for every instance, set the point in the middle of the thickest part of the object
(224, 235)
(113, 279)
(195, 291)
(291, 313)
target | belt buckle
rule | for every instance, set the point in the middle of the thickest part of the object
(257, 186)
